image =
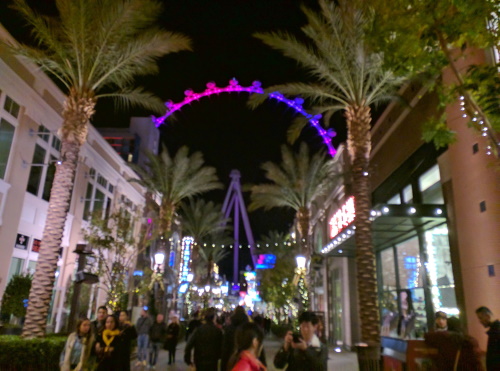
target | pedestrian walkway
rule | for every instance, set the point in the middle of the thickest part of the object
(344, 361)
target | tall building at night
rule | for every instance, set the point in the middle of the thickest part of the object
(435, 226)
(30, 117)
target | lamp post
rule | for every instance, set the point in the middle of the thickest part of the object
(159, 258)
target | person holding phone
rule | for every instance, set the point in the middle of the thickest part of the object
(303, 351)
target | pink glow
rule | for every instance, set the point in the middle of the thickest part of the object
(233, 86)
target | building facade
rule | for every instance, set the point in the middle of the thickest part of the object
(30, 117)
(435, 226)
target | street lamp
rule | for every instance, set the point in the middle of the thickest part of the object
(301, 262)
(157, 280)
(159, 259)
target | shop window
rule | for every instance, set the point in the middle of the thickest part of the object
(408, 194)
(16, 266)
(11, 106)
(6, 137)
(440, 270)
(388, 270)
(31, 267)
(430, 186)
(36, 171)
(409, 264)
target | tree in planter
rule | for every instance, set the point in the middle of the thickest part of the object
(350, 78)
(116, 248)
(296, 183)
(94, 49)
(15, 297)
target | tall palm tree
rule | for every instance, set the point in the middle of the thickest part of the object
(349, 78)
(200, 220)
(94, 49)
(175, 179)
(297, 183)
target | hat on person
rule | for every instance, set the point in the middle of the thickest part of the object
(441, 314)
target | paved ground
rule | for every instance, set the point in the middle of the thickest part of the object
(345, 361)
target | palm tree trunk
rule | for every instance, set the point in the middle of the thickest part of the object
(303, 222)
(77, 112)
(359, 145)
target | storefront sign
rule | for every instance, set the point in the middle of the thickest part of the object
(184, 270)
(22, 242)
(36, 245)
(342, 218)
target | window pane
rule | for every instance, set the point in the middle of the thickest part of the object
(88, 202)
(389, 308)
(11, 106)
(395, 200)
(56, 143)
(6, 136)
(388, 270)
(98, 200)
(440, 270)
(16, 265)
(43, 133)
(430, 186)
(49, 178)
(409, 264)
(31, 267)
(36, 170)
(408, 194)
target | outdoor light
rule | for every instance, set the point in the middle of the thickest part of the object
(439, 211)
(207, 288)
(412, 210)
(159, 258)
(190, 277)
(301, 262)
(385, 209)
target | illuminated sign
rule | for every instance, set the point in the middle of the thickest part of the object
(342, 218)
(187, 242)
(265, 261)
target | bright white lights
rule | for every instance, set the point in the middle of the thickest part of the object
(301, 261)
(159, 258)
(412, 210)
(438, 211)
(385, 209)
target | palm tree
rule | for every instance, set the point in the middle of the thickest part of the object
(352, 79)
(297, 183)
(175, 179)
(200, 220)
(94, 49)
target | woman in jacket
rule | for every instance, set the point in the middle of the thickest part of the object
(249, 338)
(76, 352)
(109, 347)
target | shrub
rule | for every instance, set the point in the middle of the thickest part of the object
(18, 354)
(16, 294)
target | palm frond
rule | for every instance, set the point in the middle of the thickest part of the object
(136, 97)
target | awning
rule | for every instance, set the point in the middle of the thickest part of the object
(391, 224)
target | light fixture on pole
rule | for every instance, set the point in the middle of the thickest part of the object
(159, 259)
(301, 268)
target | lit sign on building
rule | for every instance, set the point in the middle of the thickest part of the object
(342, 218)
(187, 243)
(265, 261)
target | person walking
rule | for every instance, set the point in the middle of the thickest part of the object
(143, 325)
(157, 335)
(248, 342)
(173, 330)
(238, 318)
(206, 341)
(127, 334)
(76, 352)
(304, 352)
(485, 316)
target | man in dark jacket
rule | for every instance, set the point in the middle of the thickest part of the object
(157, 333)
(304, 352)
(97, 325)
(207, 343)
(485, 316)
(142, 326)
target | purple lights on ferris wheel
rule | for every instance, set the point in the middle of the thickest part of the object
(234, 86)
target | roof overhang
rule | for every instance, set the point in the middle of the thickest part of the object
(391, 224)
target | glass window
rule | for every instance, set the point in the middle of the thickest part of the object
(409, 264)
(16, 265)
(99, 200)
(43, 133)
(430, 186)
(31, 267)
(56, 143)
(408, 194)
(6, 136)
(395, 200)
(11, 106)
(389, 311)
(88, 202)
(36, 171)
(440, 270)
(49, 178)
(388, 269)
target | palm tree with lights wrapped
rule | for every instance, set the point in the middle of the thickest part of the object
(348, 78)
(94, 49)
(296, 183)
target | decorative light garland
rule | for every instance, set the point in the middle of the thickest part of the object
(234, 86)
(223, 246)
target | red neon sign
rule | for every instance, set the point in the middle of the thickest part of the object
(342, 218)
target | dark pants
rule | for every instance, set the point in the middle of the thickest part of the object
(207, 366)
(153, 352)
(171, 346)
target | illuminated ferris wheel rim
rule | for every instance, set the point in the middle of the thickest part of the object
(234, 86)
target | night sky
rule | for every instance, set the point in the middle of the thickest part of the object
(230, 135)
